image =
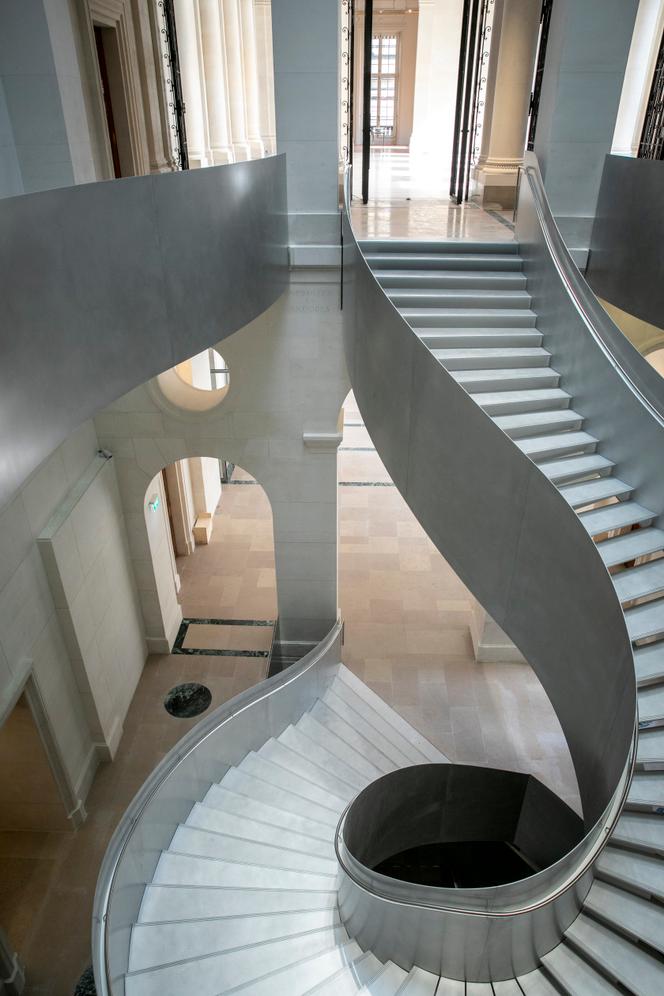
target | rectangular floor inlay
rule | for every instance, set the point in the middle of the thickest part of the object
(225, 637)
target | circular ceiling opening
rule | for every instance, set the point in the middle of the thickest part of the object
(190, 699)
(197, 384)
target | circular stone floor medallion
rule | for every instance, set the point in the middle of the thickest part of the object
(86, 984)
(185, 701)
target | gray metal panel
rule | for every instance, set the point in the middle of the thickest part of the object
(203, 756)
(519, 546)
(105, 285)
(625, 265)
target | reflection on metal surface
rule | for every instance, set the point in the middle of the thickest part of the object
(494, 515)
(131, 277)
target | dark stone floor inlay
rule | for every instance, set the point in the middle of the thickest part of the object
(190, 699)
(86, 984)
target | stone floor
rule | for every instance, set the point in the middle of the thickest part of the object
(409, 198)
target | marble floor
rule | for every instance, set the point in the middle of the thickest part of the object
(409, 198)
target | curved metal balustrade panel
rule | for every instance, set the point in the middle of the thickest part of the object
(105, 285)
(164, 801)
(520, 548)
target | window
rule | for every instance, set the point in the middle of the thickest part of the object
(651, 145)
(384, 77)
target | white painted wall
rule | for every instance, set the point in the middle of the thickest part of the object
(438, 40)
(30, 633)
(85, 552)
(639, 73)
(277, 394)
(154, 568)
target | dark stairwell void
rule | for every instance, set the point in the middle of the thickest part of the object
(459, 826)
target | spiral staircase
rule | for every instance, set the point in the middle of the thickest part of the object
(224, 875)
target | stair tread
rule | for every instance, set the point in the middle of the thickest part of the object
(401, 725)
(386, 983)
(645, 620)
(629, 547)
(641, 831)
(591, 491)
(632, 915)
(516, 353)
(650, 748)
(164, 943)
(383, 739)
(575, 468)
(636, 582)
(336, 724)
(502, 374)
(575, 975)
(241, 967)
(310, 726)
(444, 261)
(640, 873)
(500, 297)
(649, 663)
(277, 776)
(651, 704)
(347, 981)
(536, 984)
(524, 421)
(540, 447)
(621, 959)
(175, 868)
(508, 277)
(420, 983)
(163, 903)
(343, 697)
(296, 739)
(304, 975)
(617, 516)
(212, 844)
(530, 399)
(222, 797)
(246, 783)
(647, 789)
(289, 758)
(219, 821)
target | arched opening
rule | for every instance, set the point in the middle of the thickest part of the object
(210, 533)
(656, 359)
(198, 384)
(410, 629)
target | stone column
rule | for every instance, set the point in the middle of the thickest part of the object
(193, 86)
(263, 26)
(216, 85)
(509, 85)
(438, 41)
(235, 76)
(251, 89)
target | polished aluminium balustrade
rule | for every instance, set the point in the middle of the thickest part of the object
(165, 799)
(520, 548)
(105, 285)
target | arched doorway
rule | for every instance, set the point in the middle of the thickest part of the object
(210, 532)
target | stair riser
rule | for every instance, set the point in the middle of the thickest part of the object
(403, 298)
(439, 318)
(488, 340)
(444, 263)
(535, 430)
(492, 362)
(484, 384)
(561, 450)
(459, 280)
(461, 247)
(523, 407)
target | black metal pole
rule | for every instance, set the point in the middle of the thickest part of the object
(176, 83)
(461, 78)
(477, 83)
(366, 99)
(351, 89)
(465, 124)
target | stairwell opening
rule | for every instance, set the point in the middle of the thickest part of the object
(457, 826)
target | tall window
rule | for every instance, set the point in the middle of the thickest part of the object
(651, 145)
(384, 78)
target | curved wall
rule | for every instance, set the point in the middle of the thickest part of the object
(105, 285)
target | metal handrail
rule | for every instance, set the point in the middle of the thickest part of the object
(643, 381)
(604, 332)
(602, 831)
(131, 819)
